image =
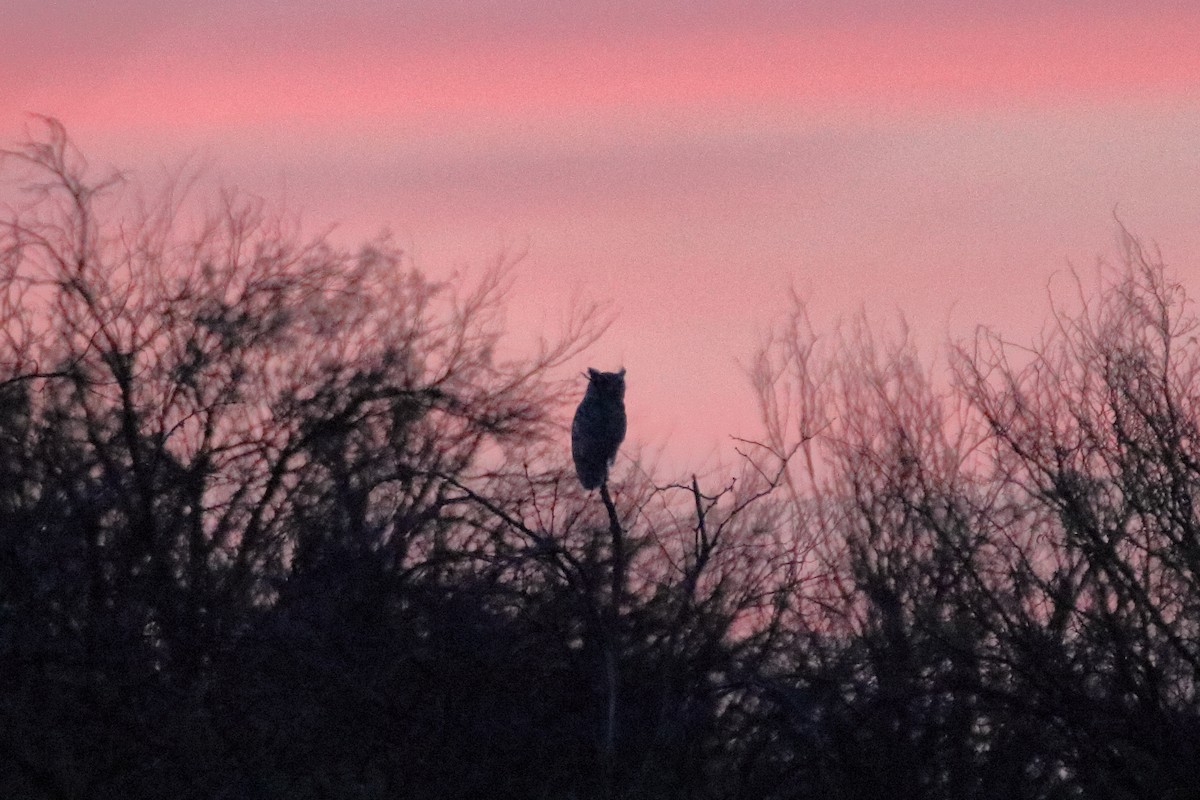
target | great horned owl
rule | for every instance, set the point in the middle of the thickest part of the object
(599, 426)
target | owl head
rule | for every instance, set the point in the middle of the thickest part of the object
(609, 384)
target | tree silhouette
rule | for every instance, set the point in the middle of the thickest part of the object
(1002, 602)
(278, 520)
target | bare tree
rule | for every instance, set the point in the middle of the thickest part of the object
(277, 519)
(1094, 433)
(202, 405)
(1002, 599)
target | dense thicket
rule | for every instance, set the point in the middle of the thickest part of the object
(280, 521)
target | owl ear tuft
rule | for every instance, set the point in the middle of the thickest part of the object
(592, 374)
(621, 372)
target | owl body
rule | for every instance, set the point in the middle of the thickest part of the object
(599, 427)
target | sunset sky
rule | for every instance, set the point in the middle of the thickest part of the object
(688, 161)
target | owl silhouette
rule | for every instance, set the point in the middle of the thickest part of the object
(599, 426)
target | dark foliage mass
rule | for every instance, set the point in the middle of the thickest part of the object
(279, 520)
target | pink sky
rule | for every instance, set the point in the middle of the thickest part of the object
(688, 161)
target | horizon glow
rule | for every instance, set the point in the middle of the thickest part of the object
(687, 162)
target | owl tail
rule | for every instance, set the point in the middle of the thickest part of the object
(590, 476)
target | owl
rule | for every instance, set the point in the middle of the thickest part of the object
(599, 427)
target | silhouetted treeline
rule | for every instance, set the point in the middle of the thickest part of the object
(279, 520)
